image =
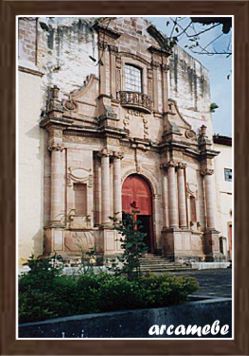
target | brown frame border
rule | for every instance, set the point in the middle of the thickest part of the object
(10, 346)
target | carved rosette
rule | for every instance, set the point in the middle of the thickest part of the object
(190, 134)
(70, 105)
(207, 171)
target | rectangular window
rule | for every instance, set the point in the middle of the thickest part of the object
(133, 78)
(228, 174)
(80, 199)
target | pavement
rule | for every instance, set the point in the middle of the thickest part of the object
(215, 283)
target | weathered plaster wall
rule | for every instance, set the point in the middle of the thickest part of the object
(189, 86)
(61, 49)
(30, 168)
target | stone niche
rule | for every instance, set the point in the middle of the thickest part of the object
(79, 197)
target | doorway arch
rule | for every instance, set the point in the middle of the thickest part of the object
(137, 190)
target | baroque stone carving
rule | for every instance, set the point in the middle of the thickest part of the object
(146, 127)
(207, 171)
(139, 101)
(104, 152)
(70, 104)
(56, 146)
(171, 163)
(118, 155)
(54, 103)
(126, 122)
(164, 67)
(182, 165)
(80, 175)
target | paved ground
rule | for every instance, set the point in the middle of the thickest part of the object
(213, 283)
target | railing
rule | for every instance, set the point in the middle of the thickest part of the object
(135, 100)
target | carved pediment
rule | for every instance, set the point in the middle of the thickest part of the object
(86, 94)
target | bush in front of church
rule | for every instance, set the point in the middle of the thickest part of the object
(45, 293)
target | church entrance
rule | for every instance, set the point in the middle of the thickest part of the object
(136, 191)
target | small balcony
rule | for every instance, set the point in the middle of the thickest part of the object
(135, 100)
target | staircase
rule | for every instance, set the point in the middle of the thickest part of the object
(152, 263)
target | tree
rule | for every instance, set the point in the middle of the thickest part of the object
(183, 28)
(132, 242)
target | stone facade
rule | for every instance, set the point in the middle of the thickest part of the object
(95, 134)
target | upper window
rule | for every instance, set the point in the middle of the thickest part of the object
(133, 78)
(228, 174)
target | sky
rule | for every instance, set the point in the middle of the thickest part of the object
(219, 67)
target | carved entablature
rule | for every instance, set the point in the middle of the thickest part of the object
(79, 175)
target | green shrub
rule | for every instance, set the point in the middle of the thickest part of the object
(45, 293)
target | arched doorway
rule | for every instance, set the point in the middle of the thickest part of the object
(137, 190)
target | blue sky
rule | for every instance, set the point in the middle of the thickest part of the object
(219, 67)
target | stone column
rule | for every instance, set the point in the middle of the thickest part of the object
(172, 191)
(165, 196)
(209, 197)
(117, 194)
(105, 186)
(57, 183)
(155, 86)
(182, 195)
(113, 50)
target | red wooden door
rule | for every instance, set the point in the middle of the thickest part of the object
(136, 190)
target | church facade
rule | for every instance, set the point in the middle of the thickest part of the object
(110, 115)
